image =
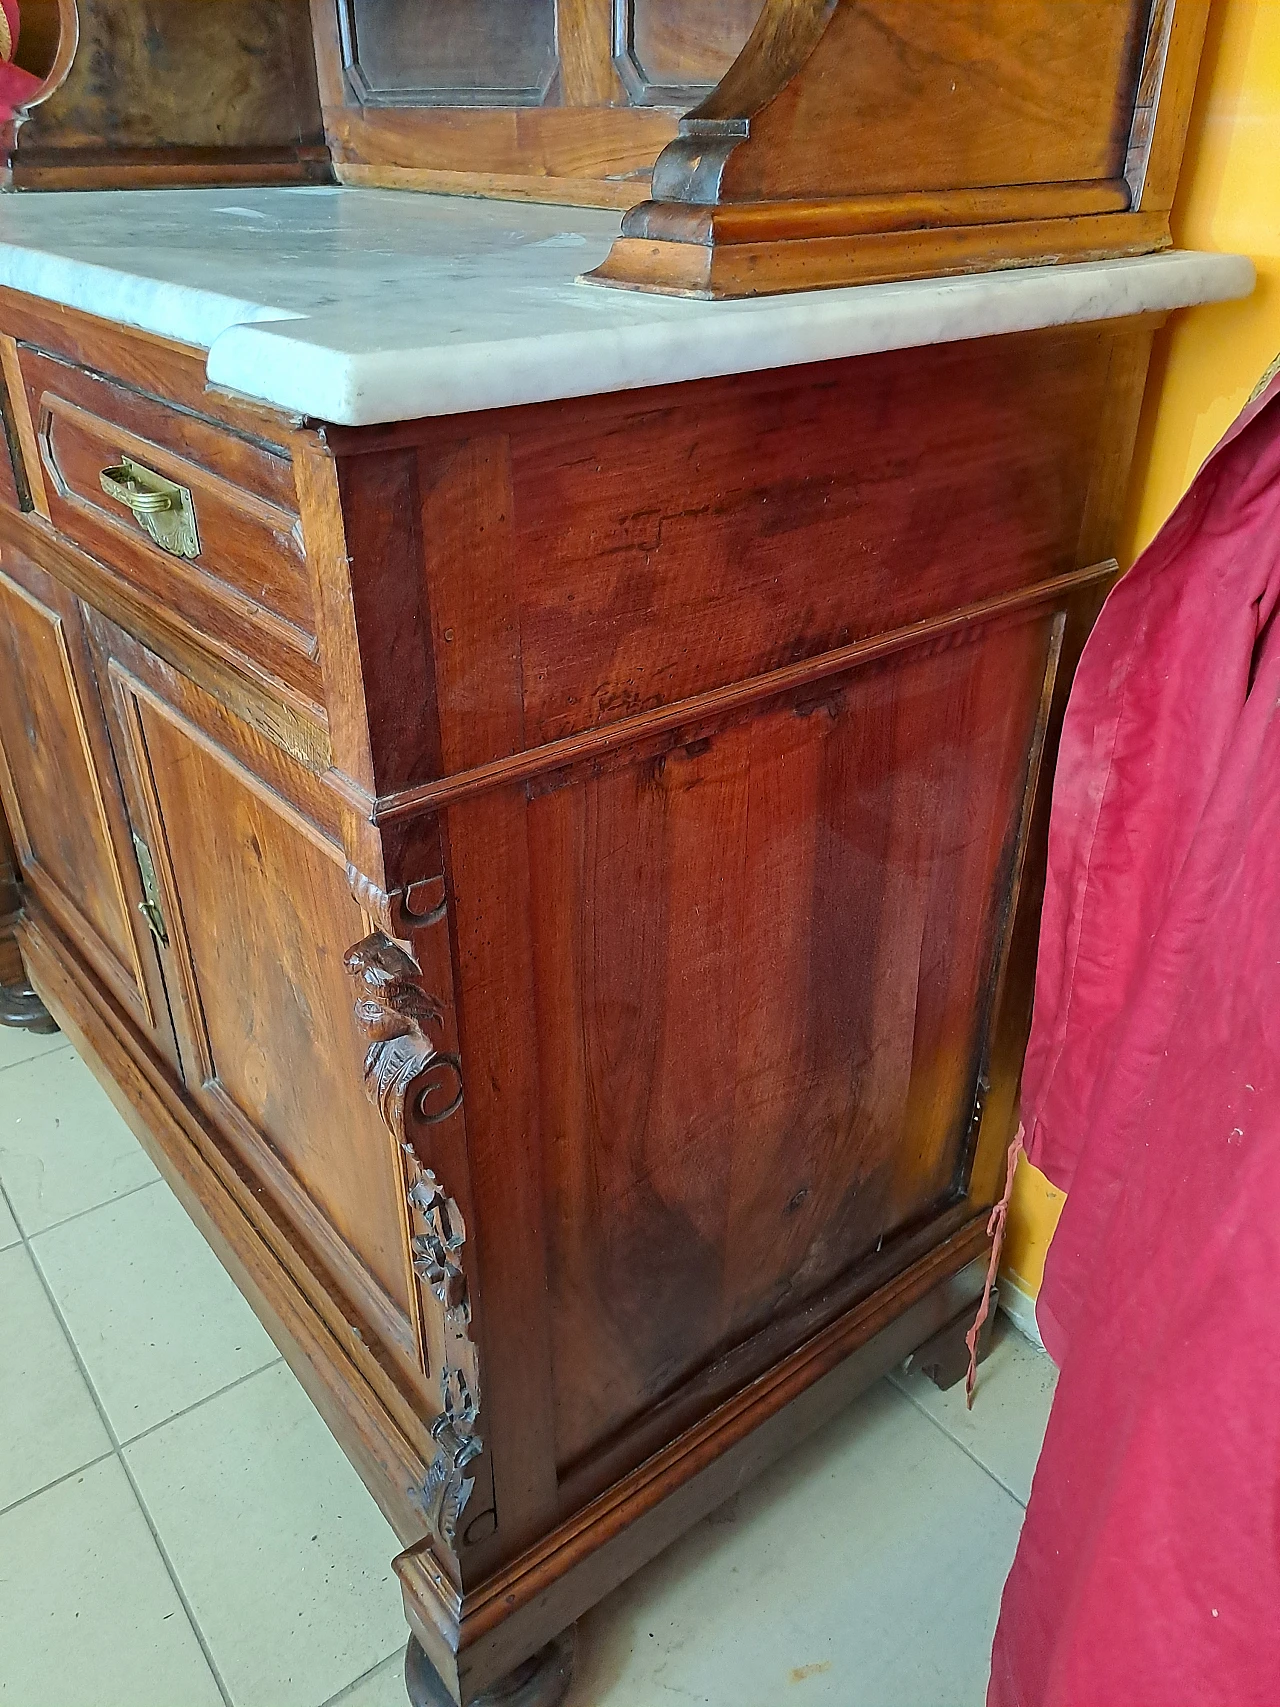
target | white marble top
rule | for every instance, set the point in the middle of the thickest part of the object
(359, 306)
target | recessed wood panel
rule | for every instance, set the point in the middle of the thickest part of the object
(468, 52)
(54, 797)
(263, 918)
(764, 972)
(669, 52)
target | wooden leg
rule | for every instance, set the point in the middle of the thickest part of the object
(944, 1359)
(21, 1007)
(542, 1681)
(19, 1004)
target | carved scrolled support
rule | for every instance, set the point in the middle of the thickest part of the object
(416, 1085)
(410, 1081)
(404, 911)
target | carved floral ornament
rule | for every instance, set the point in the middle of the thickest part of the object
(414, 1086)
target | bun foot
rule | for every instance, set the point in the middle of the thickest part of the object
(542, 1681)
(21, 1008)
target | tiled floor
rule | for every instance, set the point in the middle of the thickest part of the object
(177, 1528)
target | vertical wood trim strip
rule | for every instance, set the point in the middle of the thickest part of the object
(489, 884)
(23, 424)
(324, 537)
(587, 76)
(1152, 169)
(983, 1157)
(472, 582)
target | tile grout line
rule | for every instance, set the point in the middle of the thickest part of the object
(196, 1631)
(336, 1699)
(960, 1445)
(154, 1428)
(78, 1214)
(40, 1055)
(57, 1481)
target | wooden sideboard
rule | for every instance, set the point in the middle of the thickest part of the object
(555, 891)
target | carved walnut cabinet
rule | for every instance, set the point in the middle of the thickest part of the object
(555, 887)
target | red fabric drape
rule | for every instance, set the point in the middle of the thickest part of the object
(1148, 1571)
(16, 85)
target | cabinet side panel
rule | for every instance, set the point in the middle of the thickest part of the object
(764, 964)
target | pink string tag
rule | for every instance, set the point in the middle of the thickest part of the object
(995, 1232)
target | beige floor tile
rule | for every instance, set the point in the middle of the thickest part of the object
(18, 1045)
(49, 1424)
(1005, 1429)
(864, 1570)
(157, 1323)
(283, 1556)
(9, 1234)
(383, 1687)
(63, 1148)
(88, 1614)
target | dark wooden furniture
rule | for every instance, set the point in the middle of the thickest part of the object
(555, 891)
(139, 93)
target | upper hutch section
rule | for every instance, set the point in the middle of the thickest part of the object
(558, 100)
(754, 145)
(492, 53)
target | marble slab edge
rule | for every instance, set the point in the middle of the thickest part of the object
(185, 313)
(300, 365)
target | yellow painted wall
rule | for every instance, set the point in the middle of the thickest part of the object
(1205, 364)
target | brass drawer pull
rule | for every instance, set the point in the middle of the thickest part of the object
(160, 506)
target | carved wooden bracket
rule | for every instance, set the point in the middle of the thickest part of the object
(411, 1082)
(855, 140)
(416, 1086)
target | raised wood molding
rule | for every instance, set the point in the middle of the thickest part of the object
(687, 715)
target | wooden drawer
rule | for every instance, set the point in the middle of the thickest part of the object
(241, 580)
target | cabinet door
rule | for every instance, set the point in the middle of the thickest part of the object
(252, 882)
(62, 797)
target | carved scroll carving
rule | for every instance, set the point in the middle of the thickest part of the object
(437, 1253)
(415, 1085)
(405, 911)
